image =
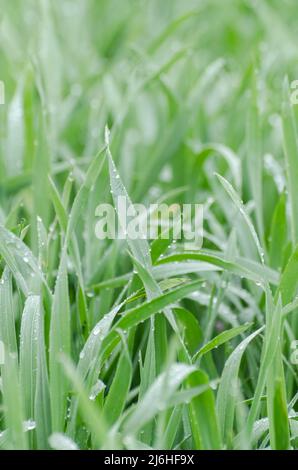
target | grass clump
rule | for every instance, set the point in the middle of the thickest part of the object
(147, 344)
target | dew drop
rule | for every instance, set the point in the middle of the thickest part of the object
(96, 389)
(29, 425)
(96, 330)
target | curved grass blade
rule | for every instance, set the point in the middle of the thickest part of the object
(30, 336)
(22, 263)
(242, 267)
(91, 413)
(141, 313)
(33, 370)
(239, 204)
(157, 397)
(225, 402)
(220, 339)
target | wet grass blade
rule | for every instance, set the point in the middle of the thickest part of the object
(13, 403)
(291, 153)
(202, 414)
(117, 396)
(59, 343)
(225, 403)
(7, 317)
(220, 339)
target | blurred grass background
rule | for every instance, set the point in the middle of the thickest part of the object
(167, 76)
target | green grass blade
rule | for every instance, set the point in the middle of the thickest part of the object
(202, 415)
(13, 403)
(225, 403)
(291, 153)
(59, 343)
(157, 397)
(117, 395)
(7, 317)
(220, 339)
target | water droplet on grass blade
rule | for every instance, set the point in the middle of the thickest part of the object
(96, 389)
(29, 425)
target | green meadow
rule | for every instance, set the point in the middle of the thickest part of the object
(143, 344)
